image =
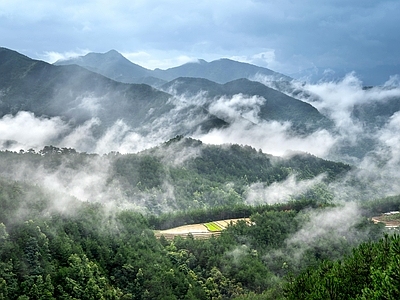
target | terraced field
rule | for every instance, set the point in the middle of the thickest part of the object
(198, 231)
(390, 219)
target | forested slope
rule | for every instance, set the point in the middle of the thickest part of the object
(178, 175)
(94, 253)
(63, 237)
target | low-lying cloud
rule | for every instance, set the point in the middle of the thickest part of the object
(279, 192)
(24, 131)
(336, 100)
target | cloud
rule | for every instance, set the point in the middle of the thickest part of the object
(286, 36)
(52, 56)
(82, 138)
(336, 220)
(394, 81)
(272, 137)
(24, 131)
(237, 254)
(279, 192)
(331, 224)
(248, 129)
(236, 107)
(121, 138)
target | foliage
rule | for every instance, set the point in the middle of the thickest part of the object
(214, 176)
(93, 251)
(371, 272)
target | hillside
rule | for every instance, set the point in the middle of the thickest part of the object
(182, 174)
(114, 66)
(78, 96)
(87, 248)
(277, 106)
(93, 107)
(50, 90)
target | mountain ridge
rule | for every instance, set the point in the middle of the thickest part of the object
(278, 106)
(77, 95)
(221, 71)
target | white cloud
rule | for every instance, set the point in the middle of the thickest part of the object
(236, 107)
(271, 137)
(279, 192)
(330, 223)
(25, 131)
(52, 56)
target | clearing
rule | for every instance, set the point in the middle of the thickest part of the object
(390, 219)
(199, 231)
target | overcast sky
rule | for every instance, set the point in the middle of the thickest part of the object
(283, 35)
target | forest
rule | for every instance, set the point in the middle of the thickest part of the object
(56, 246)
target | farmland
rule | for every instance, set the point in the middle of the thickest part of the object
(199, 231)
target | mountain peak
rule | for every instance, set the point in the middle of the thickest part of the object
(113, 53)
(111, 64)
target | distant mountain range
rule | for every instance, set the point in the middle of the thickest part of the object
(77, 95)
(115, 66)
(101, 87)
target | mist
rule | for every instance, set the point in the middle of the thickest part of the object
(376, 171)
(279, 192)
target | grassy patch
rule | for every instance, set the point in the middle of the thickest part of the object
(212, 226)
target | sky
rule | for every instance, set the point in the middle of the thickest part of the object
(299, 38)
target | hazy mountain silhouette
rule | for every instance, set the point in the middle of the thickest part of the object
(77, 95)
(278, 106)
(115, 66)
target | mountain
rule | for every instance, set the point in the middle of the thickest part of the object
(210, 76)
(220, 71)
(115, 66)
(65, 90)
(111, 62)
(277, 106)
(77, 95)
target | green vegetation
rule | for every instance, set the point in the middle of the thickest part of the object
(81, 226)
(92, 254)
(214, 176)
(55, 246)
(212, 226)
(371, 272)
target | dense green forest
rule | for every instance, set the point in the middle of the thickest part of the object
(182, 174)
(54, 245)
